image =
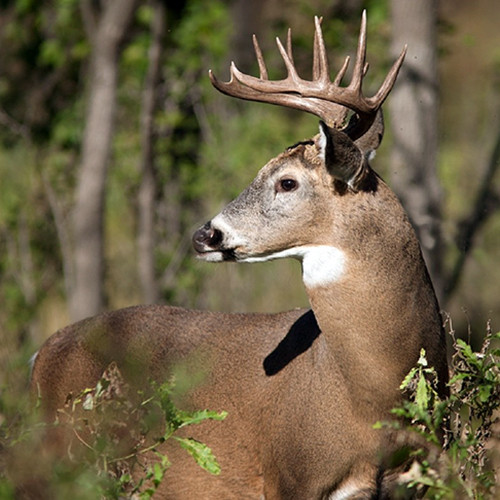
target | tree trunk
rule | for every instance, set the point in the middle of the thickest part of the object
(146, 236)
(247, 18)
(413, 107)
(106, 30)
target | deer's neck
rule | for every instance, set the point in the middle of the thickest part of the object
(375, 315)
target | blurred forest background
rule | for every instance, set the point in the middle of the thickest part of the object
(114, 148)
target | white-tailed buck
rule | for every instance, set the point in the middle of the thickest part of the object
(302, 388)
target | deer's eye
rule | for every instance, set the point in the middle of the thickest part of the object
(287, 185)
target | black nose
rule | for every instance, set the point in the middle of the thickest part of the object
(207, 238)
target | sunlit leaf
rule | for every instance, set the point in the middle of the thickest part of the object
(201, 453)
(422, 394)
(408, 378)
(200, 416)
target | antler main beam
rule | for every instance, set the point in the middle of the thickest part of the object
(319, 96)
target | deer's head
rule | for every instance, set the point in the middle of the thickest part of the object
(284, 210)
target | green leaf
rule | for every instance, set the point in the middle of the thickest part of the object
(158, 473)
(467, 351)
(201, 453)
(457, 377)
(484, 393)
(422, 394)
(400, 412)
(200, 416)
(147, 493)
(408, 378)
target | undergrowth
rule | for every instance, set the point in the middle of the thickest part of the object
(113, 433)
(459, 437)
(455, 442)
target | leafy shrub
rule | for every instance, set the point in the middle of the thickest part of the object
(458, 437)
(455, 442)
(112, 429)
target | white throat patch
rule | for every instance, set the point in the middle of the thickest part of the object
(321, 264)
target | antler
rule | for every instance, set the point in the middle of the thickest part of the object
(320, 96)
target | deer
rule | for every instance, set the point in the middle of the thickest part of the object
(303, 388)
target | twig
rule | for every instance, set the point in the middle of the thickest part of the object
(14, 126)
(486, 203)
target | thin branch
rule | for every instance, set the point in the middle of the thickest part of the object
(14, 126)
(485, 204)
(203, 117)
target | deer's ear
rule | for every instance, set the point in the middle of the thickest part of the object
(342, 157)
(371, 139)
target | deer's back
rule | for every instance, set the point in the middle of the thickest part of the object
(240, 363)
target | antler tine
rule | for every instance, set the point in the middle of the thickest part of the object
(316, 63)
(290, 67)
(342, 71)
(320, 59)
(260, 59)
(359, 65)
(289, 45)
(379, 98)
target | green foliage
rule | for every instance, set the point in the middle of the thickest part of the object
(113, 434)
(202, 35)
(43, 48)
(424, 408)
(458, 437)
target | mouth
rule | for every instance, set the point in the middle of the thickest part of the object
(219, 255)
